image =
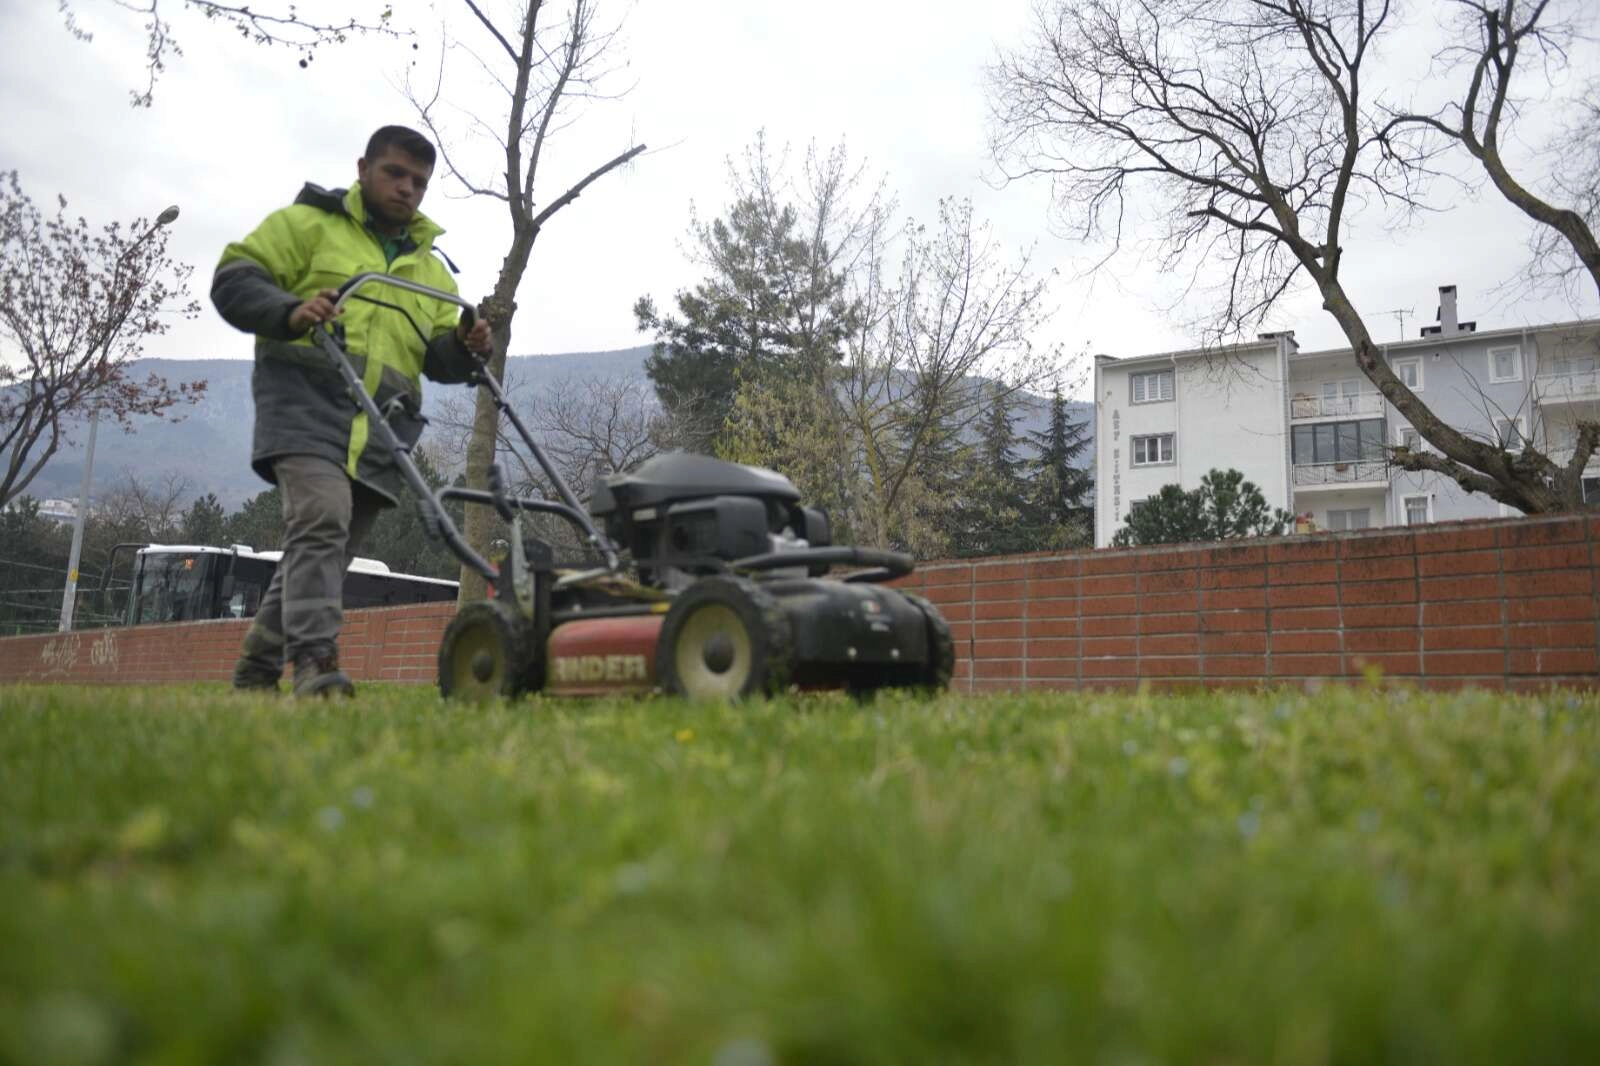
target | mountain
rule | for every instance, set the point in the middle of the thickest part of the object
(210, 444)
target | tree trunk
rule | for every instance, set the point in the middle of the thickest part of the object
(498, 309)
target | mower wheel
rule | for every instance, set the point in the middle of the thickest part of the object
(941, 665)
(488, 653)
(725, 638)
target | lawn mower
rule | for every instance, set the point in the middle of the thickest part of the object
(708, 579)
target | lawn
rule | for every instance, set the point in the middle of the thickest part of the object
(1356, 876)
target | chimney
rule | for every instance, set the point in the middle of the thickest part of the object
(1447, 310)
(1284, 335)
(1448, 324)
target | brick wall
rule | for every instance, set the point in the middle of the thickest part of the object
(1511, 603)
(382, 644)
(1508, 603)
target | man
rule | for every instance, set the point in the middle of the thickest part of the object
(311, 440)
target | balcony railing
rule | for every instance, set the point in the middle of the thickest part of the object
(1336, 405)
(1567, 388)
(1362, 403)
(1341, 473)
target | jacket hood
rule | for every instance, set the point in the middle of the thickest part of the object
(349, 202)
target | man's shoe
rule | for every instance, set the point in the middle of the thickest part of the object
(253, 673)
(319, 675)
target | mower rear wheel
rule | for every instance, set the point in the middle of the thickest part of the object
(936, 673)
(487, 653)
(724, 639)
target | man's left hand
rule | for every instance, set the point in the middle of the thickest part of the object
(479, 339)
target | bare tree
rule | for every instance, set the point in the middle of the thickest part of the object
(544, 67)
(263, 24)
(1253, 126)
(75, 306)
(1533, 33)
(594, 426)
(952, 333)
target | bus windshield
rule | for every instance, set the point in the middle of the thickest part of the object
(173, 588)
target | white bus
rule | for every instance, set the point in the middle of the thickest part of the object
(188, 582)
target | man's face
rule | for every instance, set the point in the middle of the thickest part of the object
(393, 184)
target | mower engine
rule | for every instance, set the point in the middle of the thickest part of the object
(685, 516)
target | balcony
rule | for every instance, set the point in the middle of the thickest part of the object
(1582, 386)
(1341, 475)
(1303, 406)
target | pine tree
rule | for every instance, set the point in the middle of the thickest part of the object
(205, 522)
(766, 306)
(1061, 503)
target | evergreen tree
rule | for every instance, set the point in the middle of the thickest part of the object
(993, 497)
(259, 523)
(205, 522)
(1061, 501)
(769, 304)
(1223, 507)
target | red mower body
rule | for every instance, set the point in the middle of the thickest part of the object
(603, 656)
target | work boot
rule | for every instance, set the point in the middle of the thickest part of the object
(257, 673)
(317, 673)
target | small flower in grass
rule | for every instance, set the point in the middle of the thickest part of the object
(684, 736)
(1249, 824)
(1368, 821)
(330, 819)
(1178, 766)
(632, 878)
(744, 1051)
(1130, 748)
(361, 797)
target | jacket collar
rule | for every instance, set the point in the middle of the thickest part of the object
(349, 202)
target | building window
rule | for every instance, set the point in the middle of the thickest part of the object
(1410, 372)
(1505, 364)
(1339, 442)
(1350, 518)
(1410, 439)
(1510, 434)
(1591, 490)
(1154, 450)
(1341, 397)
(1152, 387)
(1417, 509)
(1575, 364)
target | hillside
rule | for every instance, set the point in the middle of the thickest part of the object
(210, 446)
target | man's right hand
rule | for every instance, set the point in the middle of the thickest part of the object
(317, 309)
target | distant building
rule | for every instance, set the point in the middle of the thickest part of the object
(59, 510)
(1314, 433)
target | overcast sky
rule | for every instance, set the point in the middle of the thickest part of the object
(236, 129)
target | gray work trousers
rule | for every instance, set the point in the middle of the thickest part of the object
(326, 516)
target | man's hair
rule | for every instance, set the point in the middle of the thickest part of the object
(407, 140)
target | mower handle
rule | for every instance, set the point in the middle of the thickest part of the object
(886, 565)
(438, 520)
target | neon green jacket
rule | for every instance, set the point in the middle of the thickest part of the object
(301, 405)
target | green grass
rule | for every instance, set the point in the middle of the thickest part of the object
(1357, 876)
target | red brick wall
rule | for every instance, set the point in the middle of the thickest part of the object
(383, 644)
(1512, 603)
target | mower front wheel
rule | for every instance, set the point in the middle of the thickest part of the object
(725, 638)
(488, 652)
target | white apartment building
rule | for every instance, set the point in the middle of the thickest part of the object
(1314, 434)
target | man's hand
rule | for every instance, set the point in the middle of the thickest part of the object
(317, 309)
(479, 339)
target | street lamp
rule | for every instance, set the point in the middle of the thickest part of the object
(69, 595)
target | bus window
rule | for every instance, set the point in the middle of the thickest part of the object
(250, 580)
(173, 588)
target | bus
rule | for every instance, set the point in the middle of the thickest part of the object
(190, 582)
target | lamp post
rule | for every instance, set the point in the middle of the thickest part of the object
(69, 595)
